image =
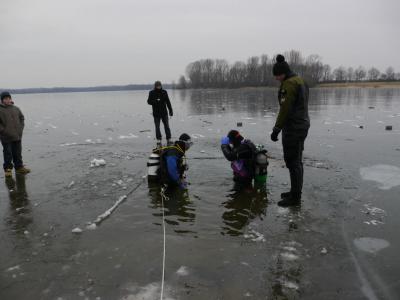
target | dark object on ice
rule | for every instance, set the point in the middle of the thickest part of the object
(145, 130)
(371, 107)
(239, 124)
(361, 126)
(223, 108)
(389, 127)
(290, 201)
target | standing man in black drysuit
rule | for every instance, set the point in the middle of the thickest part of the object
(159, 100)
(294, 122)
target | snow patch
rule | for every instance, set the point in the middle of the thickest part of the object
(388, 176)
(371, 245)
(151, 291)
(255, 236)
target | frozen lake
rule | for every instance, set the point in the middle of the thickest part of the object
(342, 243)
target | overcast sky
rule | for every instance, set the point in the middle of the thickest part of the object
(45, 43)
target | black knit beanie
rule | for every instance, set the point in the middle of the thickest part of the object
(281, 66)
(234, 137)
(5, 95)
(184, 137)
(157, 83)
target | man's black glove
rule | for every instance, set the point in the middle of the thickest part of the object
(275, 133)
(171, 113)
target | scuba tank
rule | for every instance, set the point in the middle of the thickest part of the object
(261, 164)
(153, 166)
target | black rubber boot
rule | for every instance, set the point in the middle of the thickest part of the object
(290, 201)
(285, 195)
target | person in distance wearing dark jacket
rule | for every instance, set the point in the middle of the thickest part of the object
(159, 100)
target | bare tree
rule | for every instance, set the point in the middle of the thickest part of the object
(339, 74)
(360, 73)
(373, 74)
(350, 74)
(182, 83)
(390, 73)
(326, 73)
(257, 71)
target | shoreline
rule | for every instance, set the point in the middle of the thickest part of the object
(369, 84)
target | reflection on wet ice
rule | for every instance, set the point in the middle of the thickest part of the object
(20, 212)
(245, 203)
(179, 209)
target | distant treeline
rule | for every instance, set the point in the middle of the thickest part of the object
(257, 71)
(130, 87)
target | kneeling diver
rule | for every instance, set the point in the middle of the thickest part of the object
(248, 162)
(168, 164)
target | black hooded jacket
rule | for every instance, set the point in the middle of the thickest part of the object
(160, 101)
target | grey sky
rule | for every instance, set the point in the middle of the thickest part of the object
(99, 42)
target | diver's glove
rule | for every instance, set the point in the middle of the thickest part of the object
(225, 140)
(275, 133)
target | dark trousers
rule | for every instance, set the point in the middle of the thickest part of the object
(293, 146)
(12, 152)
(157, 121)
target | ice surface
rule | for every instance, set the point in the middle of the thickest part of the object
(371, 245)
(388, 176)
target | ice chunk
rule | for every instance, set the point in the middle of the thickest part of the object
(76, 230)
(109, 211)
(15, 268)
(290, 285)
(182, 271)
(129, 136)
(289, 256)
(97, 163)
(324, 251)
(91, 226)
(71, 184)
(68, 144)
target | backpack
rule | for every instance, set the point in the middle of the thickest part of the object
(259, 161)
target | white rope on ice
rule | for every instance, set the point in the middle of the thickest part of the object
(163, 196)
